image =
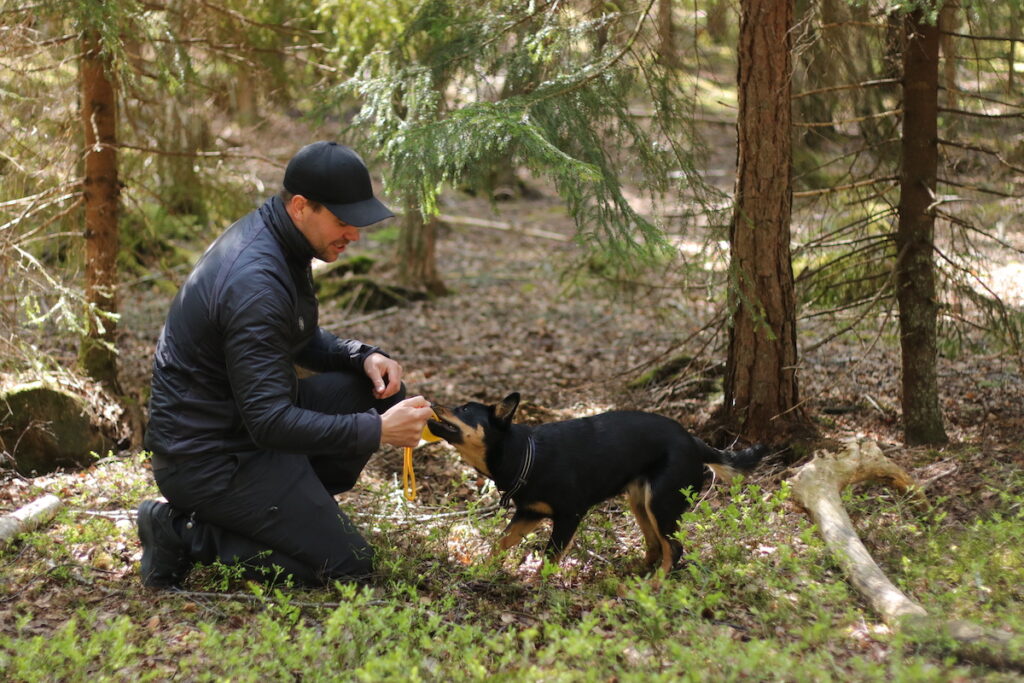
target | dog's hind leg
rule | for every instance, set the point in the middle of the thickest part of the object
(637, 492)
(666, 505)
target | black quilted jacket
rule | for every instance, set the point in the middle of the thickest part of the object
(223, 376)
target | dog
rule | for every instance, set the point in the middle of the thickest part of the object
(560, 470)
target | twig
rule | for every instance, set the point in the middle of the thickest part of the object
(983, 150)
(501, 225)
(373, 316)
(850, 186)
(981, 115)
(858, 119)
(983, 190)
(848, 86)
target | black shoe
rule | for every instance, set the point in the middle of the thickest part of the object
(165, 560)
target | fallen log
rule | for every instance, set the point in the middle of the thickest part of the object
(817, 488)
(28, 517)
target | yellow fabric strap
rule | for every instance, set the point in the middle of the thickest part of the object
(408, 476)
(408, 473)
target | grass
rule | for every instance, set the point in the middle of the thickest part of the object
(757, 599)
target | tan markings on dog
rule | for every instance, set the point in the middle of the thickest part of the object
(638, 493)
(472, 447)
(666, 549)
(515, 532)
(541, 508)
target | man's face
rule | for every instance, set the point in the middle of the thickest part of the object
(328, 235)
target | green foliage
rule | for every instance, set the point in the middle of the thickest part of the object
(758, 593)
(535, 88)
(850, 263)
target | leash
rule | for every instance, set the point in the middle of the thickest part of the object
(408, 472)
(408, 475)
(524, 472)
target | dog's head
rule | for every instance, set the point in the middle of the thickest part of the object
(472, 427)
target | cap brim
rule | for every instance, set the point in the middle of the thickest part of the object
(361, 214)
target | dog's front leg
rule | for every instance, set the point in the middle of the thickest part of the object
(523, 522)
(562, 533)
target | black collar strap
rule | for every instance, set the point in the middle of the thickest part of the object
(524, 472)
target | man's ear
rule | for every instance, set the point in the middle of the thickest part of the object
(506, 410)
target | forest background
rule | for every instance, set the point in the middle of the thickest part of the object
(790, 222)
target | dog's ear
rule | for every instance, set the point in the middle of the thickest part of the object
(504, 411)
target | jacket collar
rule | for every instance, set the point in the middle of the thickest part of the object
(296, 246)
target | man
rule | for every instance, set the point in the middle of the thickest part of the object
(249, 456)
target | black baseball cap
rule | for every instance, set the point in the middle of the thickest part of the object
(333, 175)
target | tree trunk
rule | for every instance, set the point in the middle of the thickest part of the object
(1011, 57)
(915, 270)
(101, 191)
(761, 384)
(718, 20)
(948, 23)
(666, 35)
(417, 247)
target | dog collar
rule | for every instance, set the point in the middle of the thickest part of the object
(524, 472)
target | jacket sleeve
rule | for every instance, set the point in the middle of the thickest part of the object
(255, 318)
(326, 353)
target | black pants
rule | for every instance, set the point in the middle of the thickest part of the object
(274, 511)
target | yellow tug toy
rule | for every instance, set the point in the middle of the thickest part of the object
(408, 473)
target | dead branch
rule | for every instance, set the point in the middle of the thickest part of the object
(500, 225)
(850, 186)
(981, 114)
(28, 517)
(817, 487)
(983, 150)
(848, 86)
(857, 119)
(978, 188)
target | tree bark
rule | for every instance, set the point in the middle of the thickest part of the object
(417, 258)
(817, 486)
(948, 23)
(761, 385)
(666, 35)
(28, 517)
(101, 191)
(915, 270)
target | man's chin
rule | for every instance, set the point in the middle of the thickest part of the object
(330, 255)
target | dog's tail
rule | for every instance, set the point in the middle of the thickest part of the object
(727, 464)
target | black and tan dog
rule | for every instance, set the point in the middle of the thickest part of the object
(560, 470)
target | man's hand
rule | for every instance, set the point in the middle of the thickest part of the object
(402, 424)
(384, 373)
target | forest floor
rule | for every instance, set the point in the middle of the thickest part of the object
(523, 315)
(514, 322)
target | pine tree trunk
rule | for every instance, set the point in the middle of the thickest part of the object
(761, 384)
(101, 193)
(915, 270)
(948, 23)
(417, 258)
(1011, 57)
(666, 34)
(718, 20)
